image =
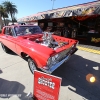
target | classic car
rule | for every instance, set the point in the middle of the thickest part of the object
(43, 50)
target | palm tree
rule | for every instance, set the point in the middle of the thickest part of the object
(14, 19)
(3, 13)
(10, 8)
(1, 23)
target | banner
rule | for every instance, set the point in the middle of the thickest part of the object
(46, 87)
(86, 9)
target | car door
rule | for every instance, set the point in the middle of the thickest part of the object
(9, 38)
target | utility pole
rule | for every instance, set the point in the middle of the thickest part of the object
(52, 4)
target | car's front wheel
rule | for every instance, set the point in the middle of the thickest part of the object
(32, 65)
(6, 49)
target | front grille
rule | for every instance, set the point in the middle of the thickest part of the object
(63, 54)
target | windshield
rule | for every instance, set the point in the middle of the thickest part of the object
(25, 30)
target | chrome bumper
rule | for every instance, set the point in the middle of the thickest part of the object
(54, 67)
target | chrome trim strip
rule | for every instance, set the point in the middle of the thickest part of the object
(54, 67)
(58, 64)
(49, 71)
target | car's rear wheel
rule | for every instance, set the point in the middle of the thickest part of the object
(6, 49)
(32, 65)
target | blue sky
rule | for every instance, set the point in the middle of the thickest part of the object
(29, 7)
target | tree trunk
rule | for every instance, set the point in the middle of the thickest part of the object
(12, 18)
(4, 21)
(1, 23)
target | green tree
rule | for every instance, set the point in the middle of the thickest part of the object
(14, 19)
(3, 13)
(10, 8)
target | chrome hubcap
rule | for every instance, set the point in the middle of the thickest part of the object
(32, 66)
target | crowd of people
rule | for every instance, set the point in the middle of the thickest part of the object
(67, 31)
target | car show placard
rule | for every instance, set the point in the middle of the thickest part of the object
(46, 87)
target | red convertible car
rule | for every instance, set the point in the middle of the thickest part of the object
(43, 50)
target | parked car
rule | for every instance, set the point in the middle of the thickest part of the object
(43, 50)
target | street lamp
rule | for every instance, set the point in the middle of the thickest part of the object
(53, 3)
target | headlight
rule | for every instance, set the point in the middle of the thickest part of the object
(52, 60)
(54, 57)
(49, 61)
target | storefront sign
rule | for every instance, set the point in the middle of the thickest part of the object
(96, 40)
(46, 87)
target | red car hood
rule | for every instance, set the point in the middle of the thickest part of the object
(43, 49)
(35, 46)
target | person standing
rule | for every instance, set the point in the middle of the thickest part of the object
(65, 32)
(69, 30)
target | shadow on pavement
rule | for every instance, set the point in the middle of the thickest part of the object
(73, 74)
(1, 71)
(12, 53)
(11, 88)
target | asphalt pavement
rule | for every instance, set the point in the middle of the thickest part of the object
(16, 78)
